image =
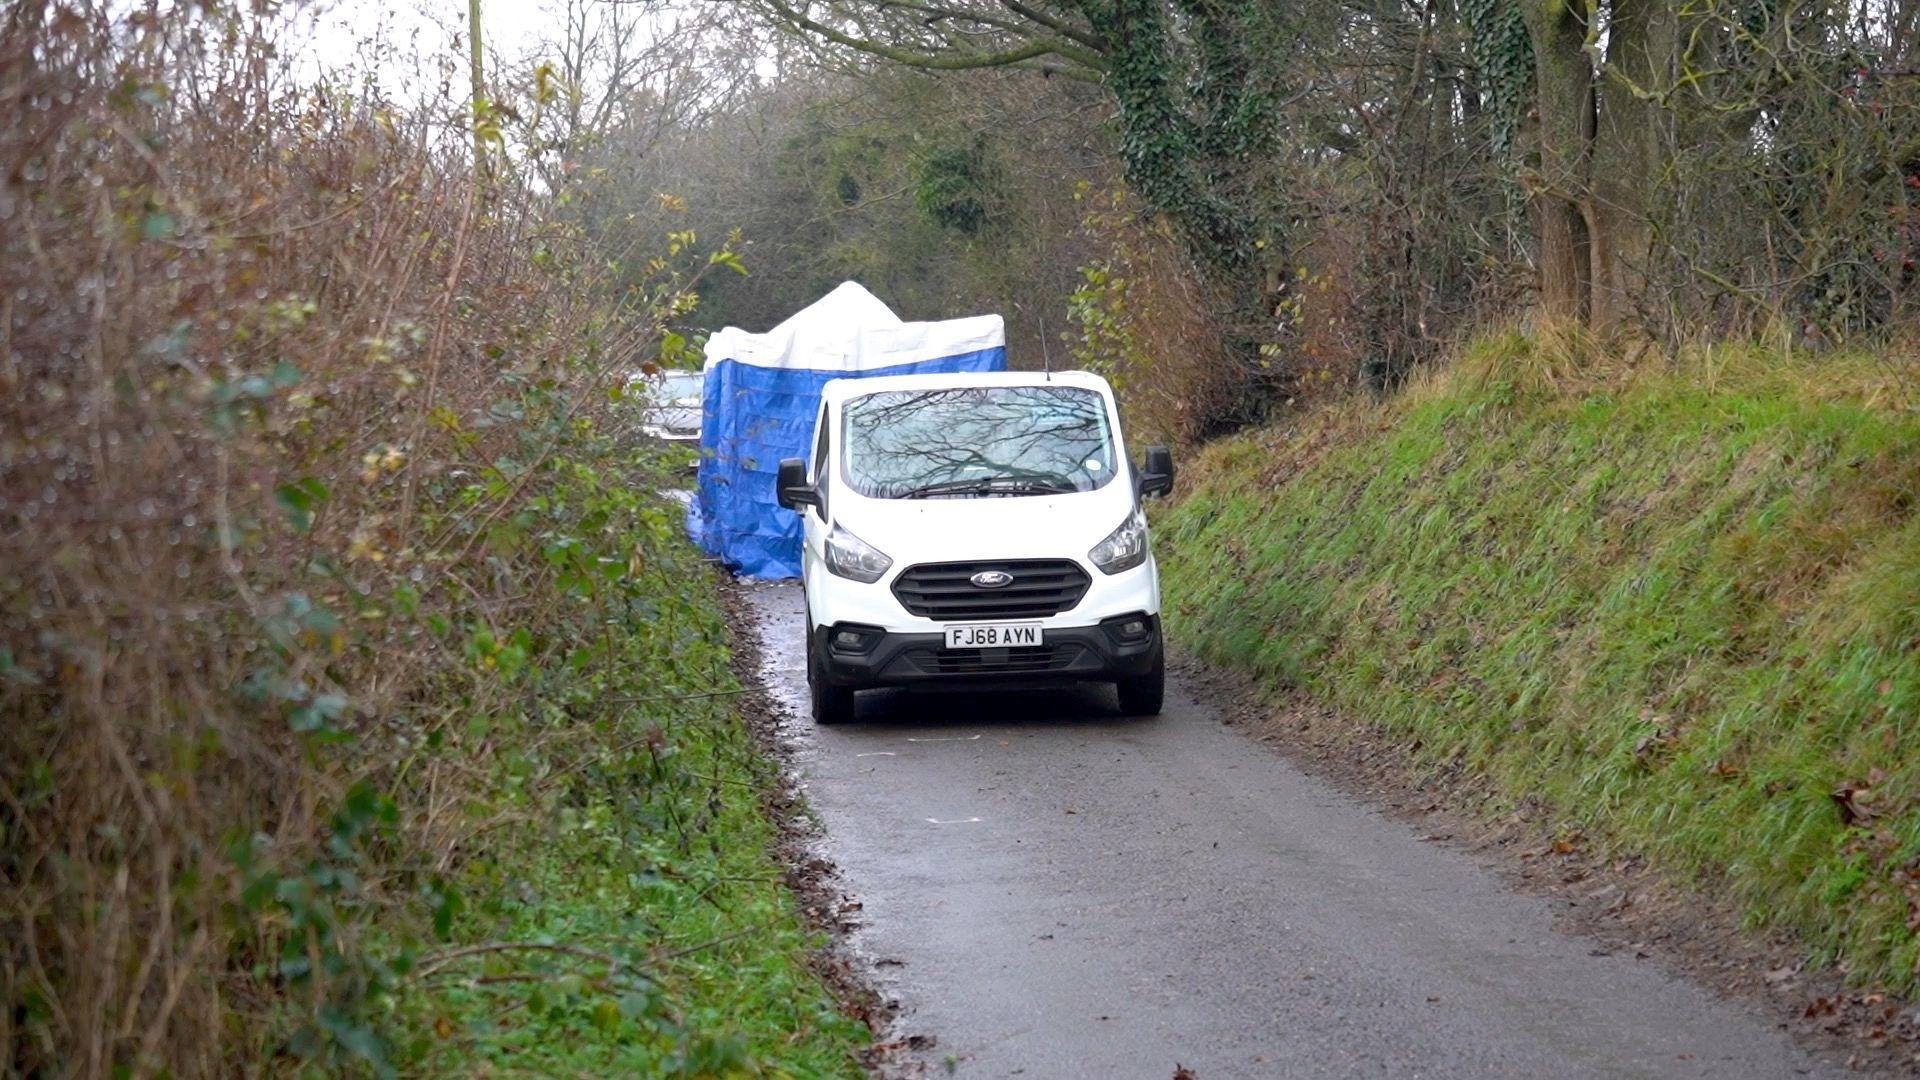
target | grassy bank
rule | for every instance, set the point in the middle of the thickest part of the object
(1682, 607)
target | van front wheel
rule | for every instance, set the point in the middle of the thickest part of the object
(831, 704)
(1141, 695)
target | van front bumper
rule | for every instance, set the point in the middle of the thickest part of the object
(1102, 652)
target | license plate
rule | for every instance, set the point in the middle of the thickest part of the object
(992, 635)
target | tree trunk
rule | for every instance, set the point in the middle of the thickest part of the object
(476, 74)
(1626, 157)
(1165, 158)
(1564, 100)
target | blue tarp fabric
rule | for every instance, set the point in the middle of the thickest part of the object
(763, 395)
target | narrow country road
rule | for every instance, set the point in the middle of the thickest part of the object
(1054, 891)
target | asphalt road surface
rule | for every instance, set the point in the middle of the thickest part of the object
(1051, 890)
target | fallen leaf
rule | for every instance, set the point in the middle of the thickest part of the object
(1855, 801)
(1646, 744)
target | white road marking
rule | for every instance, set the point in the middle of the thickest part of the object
(945, 738)
(956, 821)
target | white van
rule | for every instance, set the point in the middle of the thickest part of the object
(976, 530)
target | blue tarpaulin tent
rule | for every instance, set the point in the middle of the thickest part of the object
(762, 395)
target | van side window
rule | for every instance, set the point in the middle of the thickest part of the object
(820, 447)
(819, 470)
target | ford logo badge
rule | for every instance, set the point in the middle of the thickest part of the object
(992, 579)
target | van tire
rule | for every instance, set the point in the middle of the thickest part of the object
(1142, 695)
(830, 704)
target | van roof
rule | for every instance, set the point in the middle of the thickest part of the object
(839, 390)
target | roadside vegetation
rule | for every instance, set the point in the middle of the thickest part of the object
(1673, 601)
(365, 708)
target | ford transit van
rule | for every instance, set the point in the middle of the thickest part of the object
(976, 531)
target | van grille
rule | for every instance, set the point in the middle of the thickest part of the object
(1012, 661)
(945, 591)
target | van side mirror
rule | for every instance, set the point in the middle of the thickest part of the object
(1156, 478)
(792, 488)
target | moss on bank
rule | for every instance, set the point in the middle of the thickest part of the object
(1682, 607)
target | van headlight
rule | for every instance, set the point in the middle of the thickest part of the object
(1124, 548)
(851, 557)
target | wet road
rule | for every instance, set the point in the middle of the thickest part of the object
(1055, 891)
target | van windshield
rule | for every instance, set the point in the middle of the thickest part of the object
(677, 386)
(970, 441)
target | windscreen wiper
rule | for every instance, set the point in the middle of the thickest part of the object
(991, 485)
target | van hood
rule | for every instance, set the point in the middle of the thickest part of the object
(993, 527)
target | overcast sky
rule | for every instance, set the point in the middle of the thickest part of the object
(333, 34)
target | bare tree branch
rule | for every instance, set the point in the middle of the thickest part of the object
(1030, 40)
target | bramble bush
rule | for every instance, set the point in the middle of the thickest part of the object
(364, 707)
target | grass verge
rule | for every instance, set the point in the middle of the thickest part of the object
(1680, 607)
(626, 915)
